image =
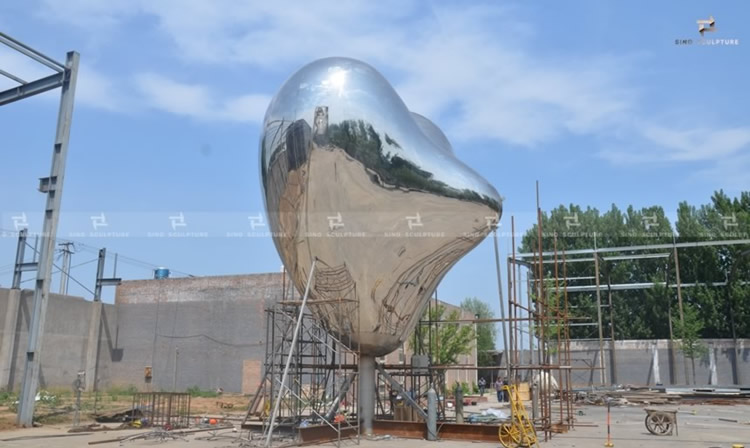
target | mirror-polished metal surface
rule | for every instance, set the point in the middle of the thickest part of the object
(374, 192)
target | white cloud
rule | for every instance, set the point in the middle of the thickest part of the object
(198, 101)
(93, 15)
(659, 143)
(698, 144)
(447, 61)
(469, 67)
(98, 90)
(730, 173)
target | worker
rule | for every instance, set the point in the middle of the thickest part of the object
(482, 385)
(499, 389)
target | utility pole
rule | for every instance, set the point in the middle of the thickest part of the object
(67, 252)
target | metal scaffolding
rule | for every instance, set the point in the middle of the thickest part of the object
(607, 357)
(539, 327)
(65, 77)
(310, 375)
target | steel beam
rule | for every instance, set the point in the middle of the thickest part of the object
(627, 286)
(34, 87)
(611, 258)
(32, 53)
(47, 250)
(668, 246)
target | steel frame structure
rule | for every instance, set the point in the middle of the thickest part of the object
(543, 316)
(623, 253)
(65, 77)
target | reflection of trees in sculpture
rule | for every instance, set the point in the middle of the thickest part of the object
(362, 142)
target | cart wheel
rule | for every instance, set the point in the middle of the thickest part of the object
(510, 435)
(659, 424)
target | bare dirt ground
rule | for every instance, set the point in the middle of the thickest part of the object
(60, 410)
(699, 425)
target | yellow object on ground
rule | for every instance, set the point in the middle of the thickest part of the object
(519, 432)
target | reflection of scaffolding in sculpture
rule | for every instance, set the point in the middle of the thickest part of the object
(320, 385)
(335, 303)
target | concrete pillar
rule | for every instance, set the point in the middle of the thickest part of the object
(655, 364)
(8, 338)
(712, 378)
(92, 345)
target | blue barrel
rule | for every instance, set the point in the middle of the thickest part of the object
(160, 273)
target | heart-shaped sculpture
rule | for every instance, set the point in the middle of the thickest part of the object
(372, 191)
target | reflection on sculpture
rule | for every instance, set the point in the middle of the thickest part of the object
(352, 177)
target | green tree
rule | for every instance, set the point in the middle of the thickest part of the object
(642, 313)
(485, 332)
(450, 340)
(688, 331)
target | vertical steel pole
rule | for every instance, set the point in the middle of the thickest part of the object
(612, 352)
(20, 252)
(53, 188)
(65, 271)
(99, 274)
(679, 301)
(502, 306)
(599, 317)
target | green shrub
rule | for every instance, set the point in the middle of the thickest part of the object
(196, 391)
(115, 392)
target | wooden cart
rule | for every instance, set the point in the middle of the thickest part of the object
(661, 422)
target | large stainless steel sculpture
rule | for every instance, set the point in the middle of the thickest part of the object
(372, 191)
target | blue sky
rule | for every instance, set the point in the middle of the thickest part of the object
(593, 98)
